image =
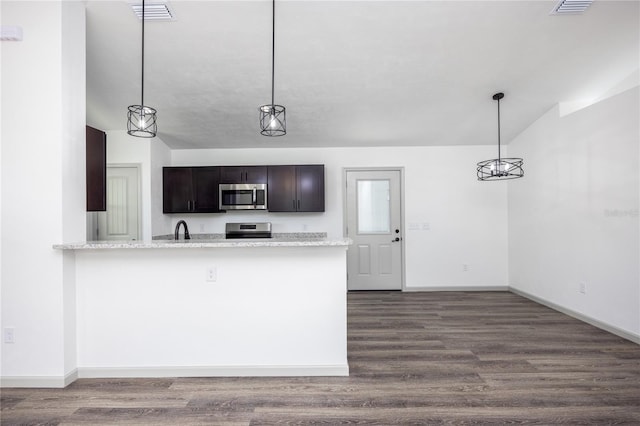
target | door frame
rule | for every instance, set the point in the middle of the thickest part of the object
(138, 167)
(345, 170)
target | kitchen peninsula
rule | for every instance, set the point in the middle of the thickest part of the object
(211, 307)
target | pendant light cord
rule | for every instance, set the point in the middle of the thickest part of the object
(499, 158)
(142, 79)
(273, 49)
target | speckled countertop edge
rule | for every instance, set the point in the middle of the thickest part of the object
(277, 241)
(275, 236)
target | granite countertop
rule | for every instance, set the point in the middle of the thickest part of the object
(213, 241)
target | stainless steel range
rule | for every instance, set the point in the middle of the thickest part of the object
(248, 230)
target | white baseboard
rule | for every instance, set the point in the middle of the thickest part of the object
(594, 322)
(216, 371)
(38, 381)
(209, 371)
(577, 315)
(459, 288)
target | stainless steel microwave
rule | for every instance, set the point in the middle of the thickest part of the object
(243, 196)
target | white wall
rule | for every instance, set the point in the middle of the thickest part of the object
(73, 160)
(150, 154)
(574, 217)
(467, 219)
(43, 192)
(160, 157)
(252, 320)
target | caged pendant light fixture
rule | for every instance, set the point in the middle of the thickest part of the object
(500, 168)
(141, 119)
(273, 119)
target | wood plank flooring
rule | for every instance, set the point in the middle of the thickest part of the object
(415, 358)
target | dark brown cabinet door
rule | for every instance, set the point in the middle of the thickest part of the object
(310, 188)
(190, 189)
(256, 174)
(177, 189)
(281, 189)
(296, 188)
(243, 174)
(96, 143)
(205, 188)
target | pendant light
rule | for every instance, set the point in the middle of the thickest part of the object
(141, 119)
(500, 168)
(273, 119)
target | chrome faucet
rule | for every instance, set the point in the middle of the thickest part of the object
(186, 230)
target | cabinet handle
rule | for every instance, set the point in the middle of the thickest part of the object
(298, 204)
(194, 205)
(188, 205)
(294, 205)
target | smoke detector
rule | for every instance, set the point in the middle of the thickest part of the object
(571, 7)
(154, 11)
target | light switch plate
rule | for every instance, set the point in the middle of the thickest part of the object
(212, 274)
(9, 334)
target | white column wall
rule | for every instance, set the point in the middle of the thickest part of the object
(160, 157)
(125, 149)
(574, 218)
(466, 220)
(150, 154)
(43, 192)
(73, 161)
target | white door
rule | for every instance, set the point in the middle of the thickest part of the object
(120, 221)
(374, 223)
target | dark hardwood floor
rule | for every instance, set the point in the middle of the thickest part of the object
(415, 358)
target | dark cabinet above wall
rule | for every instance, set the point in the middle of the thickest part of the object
(243, 174)
(190, 189)
(96, 144)
(296, 188)
(177, 189)
(281, 189)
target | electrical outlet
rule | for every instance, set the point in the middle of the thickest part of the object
(465, 267)
(426, 226)
(202, 227)
(212, 274)
(9, 335)
(582, 287)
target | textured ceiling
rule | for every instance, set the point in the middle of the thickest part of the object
(362, 73)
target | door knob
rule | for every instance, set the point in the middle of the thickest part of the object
(396, 239)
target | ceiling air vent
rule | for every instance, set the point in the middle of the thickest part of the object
(571, 7)
(154, 11)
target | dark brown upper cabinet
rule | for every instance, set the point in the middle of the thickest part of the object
(190, 189)
(243, 174)
(296, 188)
(96, 144)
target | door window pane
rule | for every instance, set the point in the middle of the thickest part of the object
(373, 207)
